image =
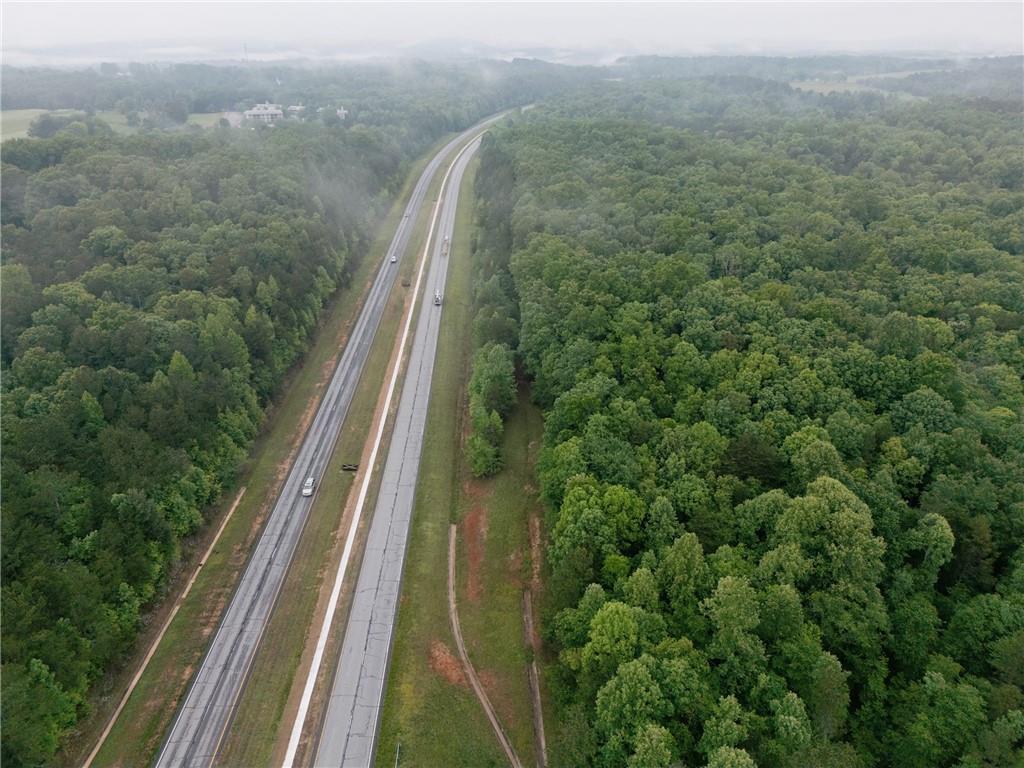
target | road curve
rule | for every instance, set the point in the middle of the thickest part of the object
(204, 715)
(348, 733)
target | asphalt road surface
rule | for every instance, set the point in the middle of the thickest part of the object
(349, 730)
(206, 712)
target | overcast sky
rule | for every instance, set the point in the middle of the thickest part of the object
(73, 32)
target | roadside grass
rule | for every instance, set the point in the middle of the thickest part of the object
(494, 532)
(436, 722)
(257, 730)
(136, 736)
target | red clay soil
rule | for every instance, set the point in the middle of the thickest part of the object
(444, 663)
(490, 682)
(474, 534)
(515, 568)
(535, 564)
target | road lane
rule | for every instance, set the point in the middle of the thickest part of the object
(206, 711)
(351, 722)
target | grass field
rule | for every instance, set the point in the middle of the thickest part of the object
(858, 84)
(14, 123)
(258, 729)
(137, 734)
(430, 712)
(204, 119)
(837, 86)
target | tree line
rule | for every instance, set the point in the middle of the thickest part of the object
(495, 330)
(412, 99)
(777, 339)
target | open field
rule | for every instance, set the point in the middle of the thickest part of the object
(260, 727)
(894, 75)
(204, 119)
(14, 123)
(136, 736)
(858, 83)
(833, 86)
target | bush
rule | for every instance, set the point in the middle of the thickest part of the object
(484, 458)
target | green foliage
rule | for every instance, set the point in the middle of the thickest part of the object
(483, 456)
(36, 711)
(777, 338)
(492, 384)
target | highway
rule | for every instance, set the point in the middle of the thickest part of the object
(205, 714)
(351, 721)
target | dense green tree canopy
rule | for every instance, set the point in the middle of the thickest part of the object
(778, 342)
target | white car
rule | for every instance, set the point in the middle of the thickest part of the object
(437, 298)
(394, 258)
(307, 487)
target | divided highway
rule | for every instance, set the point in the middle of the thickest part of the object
(348, 733)
(203, 717)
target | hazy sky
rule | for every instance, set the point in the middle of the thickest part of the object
(38, 31)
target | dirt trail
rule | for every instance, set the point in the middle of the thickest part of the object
(540, 744)
(532, 639)
(453, 616)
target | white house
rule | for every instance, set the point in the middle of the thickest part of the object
(264, 113)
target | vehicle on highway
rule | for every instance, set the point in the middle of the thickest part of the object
(437, 298)
(394, 258)
(307, 487)
(444, 247)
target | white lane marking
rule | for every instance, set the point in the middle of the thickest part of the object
(332, 606)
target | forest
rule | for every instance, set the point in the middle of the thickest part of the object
(156, 290)
(777, 338)
(778, 341)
